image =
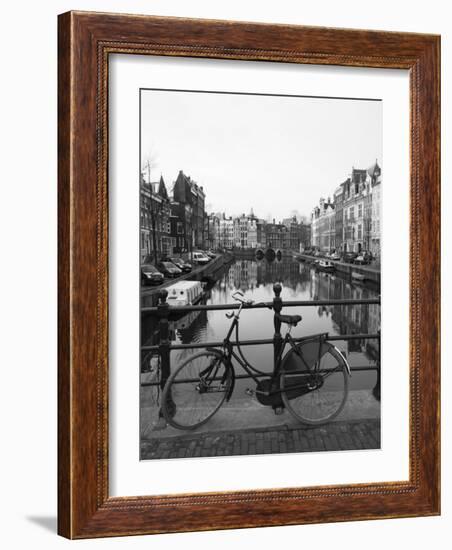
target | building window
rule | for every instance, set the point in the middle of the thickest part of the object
(360, 211)
(359, 232)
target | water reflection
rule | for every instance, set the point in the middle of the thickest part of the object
(300, 282)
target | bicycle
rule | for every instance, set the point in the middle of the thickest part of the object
(310, 380)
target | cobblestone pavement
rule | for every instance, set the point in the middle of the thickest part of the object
(336, 436)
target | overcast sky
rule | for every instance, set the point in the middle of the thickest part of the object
(277, 155)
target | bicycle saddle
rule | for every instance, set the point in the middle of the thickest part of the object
(289, 319)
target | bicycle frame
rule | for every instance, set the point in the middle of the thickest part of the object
(230, 354)
(287, 381)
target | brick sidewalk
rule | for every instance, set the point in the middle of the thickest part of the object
(337, 436)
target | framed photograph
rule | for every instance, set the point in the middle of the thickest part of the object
(248, 275)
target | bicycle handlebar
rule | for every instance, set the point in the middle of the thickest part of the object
(238, 297)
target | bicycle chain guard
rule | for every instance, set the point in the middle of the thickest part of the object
(264, 395)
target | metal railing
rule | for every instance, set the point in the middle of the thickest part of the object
(163, 311)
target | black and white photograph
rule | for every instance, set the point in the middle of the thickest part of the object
(230, 325)
(260, 259)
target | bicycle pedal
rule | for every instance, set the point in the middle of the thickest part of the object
(249, 392)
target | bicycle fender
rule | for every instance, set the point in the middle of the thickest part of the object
(347, 366)
(231, 389)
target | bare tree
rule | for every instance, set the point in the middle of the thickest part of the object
(149, 162)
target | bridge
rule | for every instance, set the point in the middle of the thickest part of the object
(271, 253)
(247, 427)
(164, 312)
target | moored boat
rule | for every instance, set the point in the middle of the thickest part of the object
(325, 265)
(184, 293)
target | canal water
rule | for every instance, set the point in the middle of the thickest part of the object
(300, 281)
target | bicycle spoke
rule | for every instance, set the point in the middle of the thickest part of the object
(195, 390)
(326, 385)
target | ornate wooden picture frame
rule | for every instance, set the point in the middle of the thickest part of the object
(86, 40)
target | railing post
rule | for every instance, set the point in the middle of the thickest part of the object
(164, 343)
(277, 338)
(377, 388)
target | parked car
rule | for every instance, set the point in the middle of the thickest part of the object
(335, 256)
(200, 258)
(169, 269)
(150, 275)
(211, 254)
(181, 264)
(349, 257)
(207, 254)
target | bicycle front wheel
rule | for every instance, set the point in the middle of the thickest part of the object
(314, 382)
(196, 390)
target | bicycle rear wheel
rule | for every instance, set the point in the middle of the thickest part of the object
(314, 382)
(196, 390)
